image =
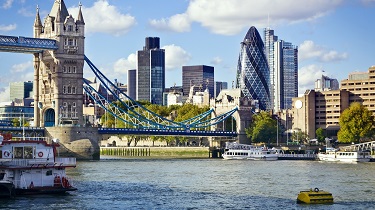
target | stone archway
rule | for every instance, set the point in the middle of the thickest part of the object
(49, 118)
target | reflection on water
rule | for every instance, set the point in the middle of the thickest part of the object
(208, 184)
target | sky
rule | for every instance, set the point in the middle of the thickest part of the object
(334, 37)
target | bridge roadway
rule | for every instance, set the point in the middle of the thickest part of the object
(26, 44)
(159, 132)
(154, 132)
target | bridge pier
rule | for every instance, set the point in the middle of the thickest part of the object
(79, 142)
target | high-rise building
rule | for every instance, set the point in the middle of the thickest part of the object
(253, 76)
(325, 83)
(132, 84)
(219, 86)
(198, 78)
(151, 72)
(282, 60)
(21, 90)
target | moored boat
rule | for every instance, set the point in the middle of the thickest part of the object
(335, 155)
(31, 166)
(235, 151)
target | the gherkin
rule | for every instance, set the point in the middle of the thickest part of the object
(253, 75)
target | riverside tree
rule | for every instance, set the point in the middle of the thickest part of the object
(320, 134)
(262, 129)
(356, 123)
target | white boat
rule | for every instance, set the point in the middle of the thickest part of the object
(332, 154)
(31, 166)
(235, 151)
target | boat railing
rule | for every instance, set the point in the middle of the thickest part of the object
(46, 139)
(36, 162)
(298, 155)
(66, 161)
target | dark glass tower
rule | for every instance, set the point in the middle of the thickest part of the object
(253, 75)
(151, 72)
(200, 76)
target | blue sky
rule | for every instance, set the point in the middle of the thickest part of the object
(334, 37)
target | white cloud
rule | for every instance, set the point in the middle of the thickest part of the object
(105, 18)
(307, 76)
(5, 94)
(26, 13)
(122, 65)
(309, 50)
(11, 27)
(22, 67)
(178, 23)
(216, 60)
(231, 17)
(175, 57)
(7, 4)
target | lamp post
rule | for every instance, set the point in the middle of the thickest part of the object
(277, 131)
(23, 125)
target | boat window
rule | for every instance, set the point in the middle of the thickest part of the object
(2, 176)
(18, 152)
(28, 152)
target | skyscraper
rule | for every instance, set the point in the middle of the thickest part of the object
(219, 86)
(282, 60)
(325, 83)
(253, 76)
(200, 76)
(132, 83)
(21, 90)
(151, 72)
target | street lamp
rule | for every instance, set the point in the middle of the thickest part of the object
(23, 126)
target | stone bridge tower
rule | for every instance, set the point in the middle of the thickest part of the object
(58, 74)
(228, 100)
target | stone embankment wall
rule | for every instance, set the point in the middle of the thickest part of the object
(79, 142)
(156, 152)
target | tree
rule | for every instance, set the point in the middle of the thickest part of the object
(320, 134)
(262, 129)
(299, 136)
(356, 123)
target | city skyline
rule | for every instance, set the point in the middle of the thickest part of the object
(332, 36)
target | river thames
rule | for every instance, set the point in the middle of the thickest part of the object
(207, 184)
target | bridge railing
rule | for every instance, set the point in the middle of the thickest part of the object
(29, 42)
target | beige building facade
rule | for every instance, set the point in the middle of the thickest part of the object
(322, 109)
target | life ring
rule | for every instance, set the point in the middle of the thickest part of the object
(316, 189)
(6, 154)
(40, 154)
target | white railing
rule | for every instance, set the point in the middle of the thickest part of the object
(35, 162)
(66, 161)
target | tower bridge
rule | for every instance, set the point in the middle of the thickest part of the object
(58, 57)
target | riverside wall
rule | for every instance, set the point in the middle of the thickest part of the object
(157, 152)
(79, 142)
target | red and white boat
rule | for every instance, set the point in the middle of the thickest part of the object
(32, 166)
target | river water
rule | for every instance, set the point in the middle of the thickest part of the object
(207, 184)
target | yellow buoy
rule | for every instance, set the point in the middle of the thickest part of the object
(315, 196)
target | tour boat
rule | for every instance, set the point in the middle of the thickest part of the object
(332, 154)
(235, 151)
(32, 166)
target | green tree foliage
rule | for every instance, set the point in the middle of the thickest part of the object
(299, 136)
(320, 134)
(356, 123)
(17, 122)
(262, 129)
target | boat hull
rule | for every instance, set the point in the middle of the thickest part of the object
(6, 190)
(44, 190)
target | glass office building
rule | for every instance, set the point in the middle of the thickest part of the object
(200, 77)
(253, 76)
(282, 60)
(151, 72)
